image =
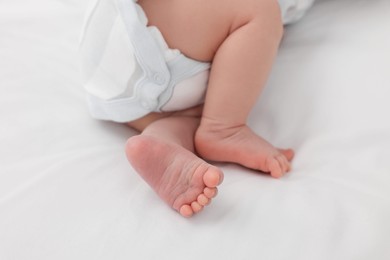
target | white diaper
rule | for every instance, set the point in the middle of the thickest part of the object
(293, 10)
(129, 71)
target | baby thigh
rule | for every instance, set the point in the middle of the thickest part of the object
(198, 28)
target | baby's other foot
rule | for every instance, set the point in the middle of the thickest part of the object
(180, 178)
(241, 145)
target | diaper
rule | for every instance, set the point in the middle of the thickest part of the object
(128, 69)
(293, 10)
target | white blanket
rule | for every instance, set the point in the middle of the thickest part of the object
(67, 191)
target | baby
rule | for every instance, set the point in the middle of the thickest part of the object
(186, 75)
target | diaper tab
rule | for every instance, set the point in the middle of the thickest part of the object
(159, 79)
(148, 54)
(149, 93)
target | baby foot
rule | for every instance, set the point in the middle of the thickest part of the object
(241, 145)
(180, 178)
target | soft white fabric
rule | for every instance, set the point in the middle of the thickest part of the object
(67, 191)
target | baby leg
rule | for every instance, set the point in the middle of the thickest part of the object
(239, 72)
(241, 38)
(163, 156)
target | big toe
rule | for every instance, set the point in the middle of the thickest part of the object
(186, 211)
(213, 177)
(275, 167)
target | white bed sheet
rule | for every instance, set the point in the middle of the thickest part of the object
(67, 191)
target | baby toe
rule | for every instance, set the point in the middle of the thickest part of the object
(283, 163)
(196, 207)
(210, 192)
(275, 168)
(289, 153)
(213, 177)
(186, 211)
(203, 200)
